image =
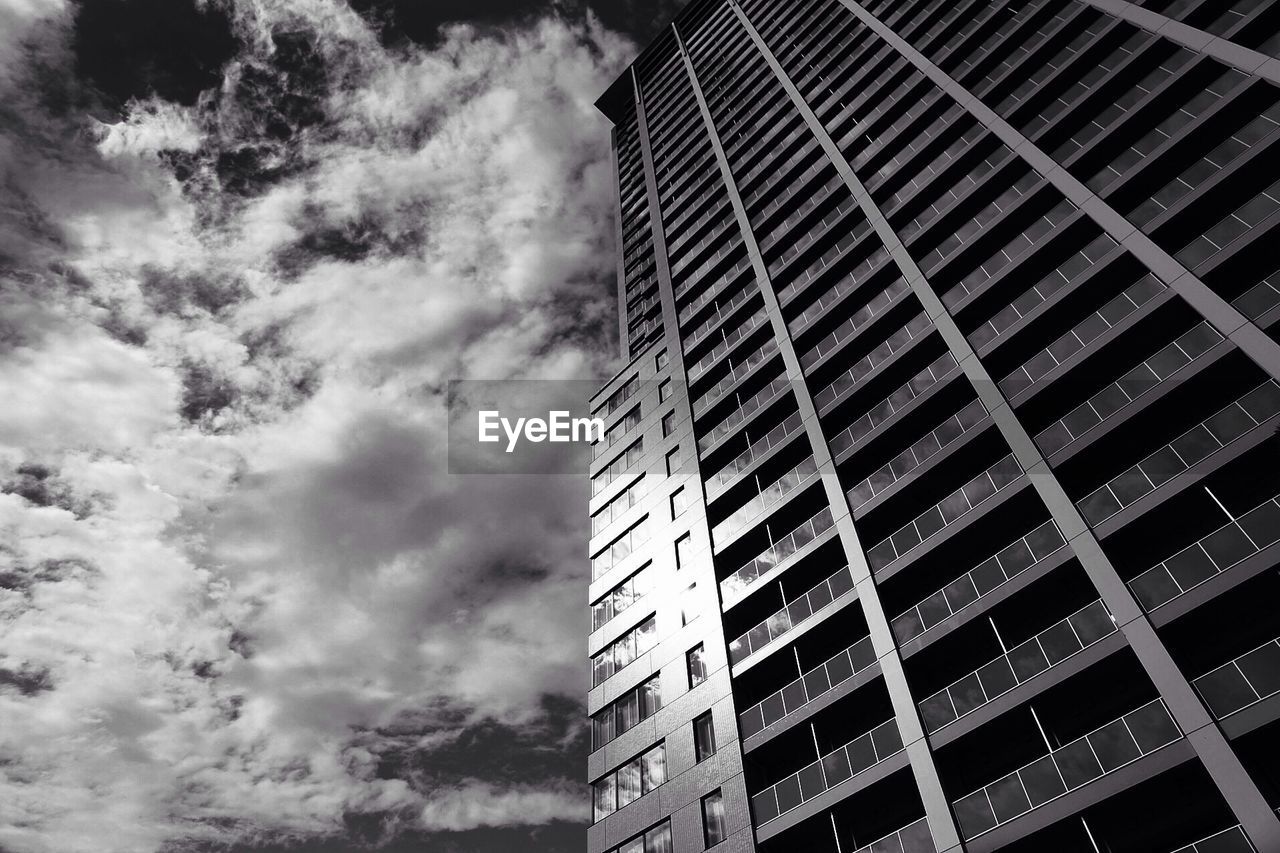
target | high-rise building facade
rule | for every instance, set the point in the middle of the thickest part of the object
(939, 507)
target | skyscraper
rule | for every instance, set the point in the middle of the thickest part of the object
(940, 504)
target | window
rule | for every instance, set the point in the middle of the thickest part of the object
(634, 707)
(713, 824)
(689, 604)
(704, 738)
(664, 391)
(624, 650)
(660, 361)
(617, 398)
(619, 504)
(619, 549)
(668, 424)
(629, 782)
(684, 548)
(673, 460)
(621, 597)
(656, 840)
(617, 467)
(679, 501)
(616, 433)
(696, 662)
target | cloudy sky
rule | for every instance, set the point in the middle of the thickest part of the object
(243, 246)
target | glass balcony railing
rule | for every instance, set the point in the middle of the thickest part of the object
(1260, 298)
(988, 576)
(733, 373)
(917, 454)
(776, 436)
(1231, 840)
(1242, 682)
(862, 753)
(917, 326)
(731, 339)
(817, 682)
(891, 405)
(1108, 748)
(1082, 334)
(874, 307)
(912, 838)
(819, 265)
(1213, 554)
(796, 613)
(768, 497)
(1138, 381)
(709, 289)
(817, 231)
(837, 292)
(811, 198)
(945, 512)
(745, 409)
(1020, 664)
(1197, 443)
(718, 315)
(737, 583)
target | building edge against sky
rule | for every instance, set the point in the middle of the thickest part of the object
(939, 506)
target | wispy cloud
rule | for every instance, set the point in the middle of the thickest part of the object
(240, 598)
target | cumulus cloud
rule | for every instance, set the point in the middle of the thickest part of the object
(241, 600)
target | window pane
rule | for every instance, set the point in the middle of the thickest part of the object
(713, 820)
(655, 768)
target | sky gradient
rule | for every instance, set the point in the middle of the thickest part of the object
(244, 245)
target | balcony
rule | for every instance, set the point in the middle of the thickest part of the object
(796, 613)
(1138, 381)
(734, 373)
(913, 838)
(1242, 682)
(821, 264)
(846, 330)
(736, 584)
(891, 405)
(745, 409)
(945, 512)
(815, 683)
(1194, 445)
(855, 757)
(775, 437)
(1231, 840)
(1023, 662)
(717, 315)
(914, 328)
(1210, 556)
(768, 497)
(989, 575)
(924, 449)
(729, 341)
(838, 291)
(1104, 750)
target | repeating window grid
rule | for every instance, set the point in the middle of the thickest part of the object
(719, 313)
(1087, 79)
(837, 114)
(631, 456)
(1083, 334)
(1231, 840)
(811, 685)
(1021, 50)
(777, 177)
(1019, 245)
(932, 167)
(724, 230)
(851, 86)
(710, 196)
(775, 437)
(927, 103)
(1261, 298)
(1209, 556)
(816, 230)
(1238, 223)
(622, 651)
(975, 584)
(945, 53)
(955, 9)
(1206, 167)
(848, 283)
(966, 231)
(1116, 107)
(745, 409)
(796, 281)
(791, 615)
(1068, 271)
(1026, 660)
(1107, 748)
(862, 753)
(920, 452)
(1242, 682)
(629, 783)
(916, 327)
(856, 142)
(892, 404)
(619, 549)
(778, 552)
(618, 398)
(873, 308)
(1165, 129)
(768, 497)
(730, 339)
(621, 716)
(810, 198)
(954, 192)
(693, 278)
(714, 294)
(914, 837)
(945, 513)
(616, 433)
(621, 597)
(656, 840)
(617, 506)
(917, 142)
(721, 215)
(735, 369)
(1001, 36)
(1194, 445)
(1036, 76)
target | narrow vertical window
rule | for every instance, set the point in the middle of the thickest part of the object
(695, 659)
(704, 738)
(713, 823)
(673, 461)
(668, 424)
